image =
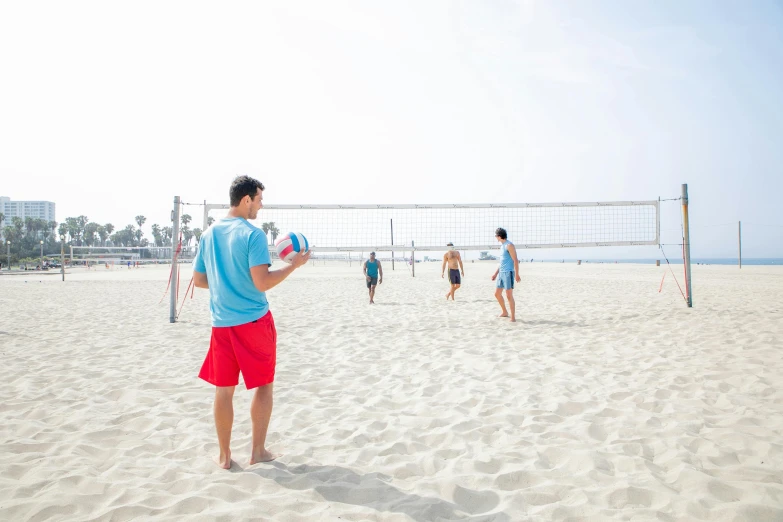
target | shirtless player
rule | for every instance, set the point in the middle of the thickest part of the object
(456, 271)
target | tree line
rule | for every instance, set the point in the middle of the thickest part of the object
(25, 235)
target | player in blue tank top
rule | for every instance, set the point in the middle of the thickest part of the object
(372, 269)
(506, 274)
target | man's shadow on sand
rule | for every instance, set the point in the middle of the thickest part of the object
(564, 324)
(374, 491)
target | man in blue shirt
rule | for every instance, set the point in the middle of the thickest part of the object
(372, 269)
(506, 274)
(233, 263)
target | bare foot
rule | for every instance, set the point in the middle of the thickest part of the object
(447, 296)
(264, 456)
(224, 461)
(513, 320)
(504, 314)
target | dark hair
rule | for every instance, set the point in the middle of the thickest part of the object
(449, 244)
(243, 186)
(501, 233)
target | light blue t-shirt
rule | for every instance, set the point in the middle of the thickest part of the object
(225, 253)
(506, 262)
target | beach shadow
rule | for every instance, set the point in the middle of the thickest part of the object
(374, 491)
(569, 324)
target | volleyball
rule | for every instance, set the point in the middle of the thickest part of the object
(289, 245)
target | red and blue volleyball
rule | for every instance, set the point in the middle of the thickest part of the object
(289, 245)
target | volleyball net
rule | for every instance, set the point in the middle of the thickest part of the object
(342, 229)
(364, 228)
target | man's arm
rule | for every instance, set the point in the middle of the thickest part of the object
(264, 279)
(200, 279)
(443, 267)
(380, 272)
(461, 268)
(364, 270)
(512, 250)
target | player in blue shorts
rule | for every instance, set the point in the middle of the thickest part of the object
(506, 274)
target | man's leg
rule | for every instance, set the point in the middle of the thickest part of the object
(372, 294)
(224, 419)
(260, 413)
(511, 303)
(454, 288)
(499, 297)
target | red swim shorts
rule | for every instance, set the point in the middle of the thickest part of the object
(250, 348)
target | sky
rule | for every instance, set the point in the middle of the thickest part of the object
(112, 109)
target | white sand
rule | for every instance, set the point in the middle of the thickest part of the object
(607, 401)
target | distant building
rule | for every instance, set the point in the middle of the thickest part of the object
(26, 209)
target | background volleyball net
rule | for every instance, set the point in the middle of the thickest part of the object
(364, 228)
(342, 229)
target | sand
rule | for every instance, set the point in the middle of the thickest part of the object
(606, 401)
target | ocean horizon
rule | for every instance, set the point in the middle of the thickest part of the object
(694, 261)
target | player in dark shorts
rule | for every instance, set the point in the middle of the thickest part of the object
(373, 274)
(456, 271)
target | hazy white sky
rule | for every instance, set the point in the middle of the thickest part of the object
(111, 109)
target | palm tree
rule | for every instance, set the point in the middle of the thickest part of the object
(18, 225)
(29, 224)
(89, 233)
(265, 228)
(167, 231)
(62, 230)
(197, 234)
(9, 234)
(210, 220)
(103, 234)
(156, 235)
(109, 229)
(140, 220)
(185, 219)
(81, 222)
(52, 226)
(73, 228)
(128, 233)
(273, 230)
(187, 235)
(40, 226)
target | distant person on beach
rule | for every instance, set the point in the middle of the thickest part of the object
(456, 270)
(506, 274)
(373, 274)
(233, 262)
